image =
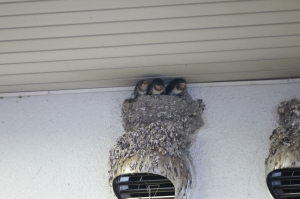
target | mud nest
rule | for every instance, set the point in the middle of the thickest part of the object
(184, 113)
(156, 126)
(286, 137)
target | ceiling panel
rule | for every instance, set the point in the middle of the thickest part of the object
(55, 45)
(168, 70)
(158, 25)
(151, 38)
(142, 13)
(151, 50)
(215, 77)
(48, 6)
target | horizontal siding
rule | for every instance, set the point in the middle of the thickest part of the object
(175, 11)
(275, 74)
(132, 73)
(155, 60)
(151, 25)
(52, 45)
(43, 7)
(20, 1)
(150, 38)
(151, 50)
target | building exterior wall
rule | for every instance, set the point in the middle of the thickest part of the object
(56, 146)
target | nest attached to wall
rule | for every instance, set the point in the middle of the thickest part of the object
(285, 139)
(157, 127)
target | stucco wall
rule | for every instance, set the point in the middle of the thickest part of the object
(56, 146)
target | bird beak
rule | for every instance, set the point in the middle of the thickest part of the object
(146, 83)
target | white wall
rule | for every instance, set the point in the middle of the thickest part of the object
(56, 146)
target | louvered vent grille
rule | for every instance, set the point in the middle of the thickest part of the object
(284, 183)
(143, 185)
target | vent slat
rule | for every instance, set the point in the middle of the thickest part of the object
(286, 178)
(295, 186)
(160, 181)
(294, 170)
(153, 190)
(287, 195)
(139, 174)
(155, 197)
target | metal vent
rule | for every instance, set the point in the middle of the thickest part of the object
(143, 185)
(284, 183)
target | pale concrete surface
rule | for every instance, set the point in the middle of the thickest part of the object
(56, 146)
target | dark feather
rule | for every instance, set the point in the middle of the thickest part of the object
(179, 85)
(155, 83)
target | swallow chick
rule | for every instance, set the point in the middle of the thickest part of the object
(141, 88)
(157, 87)
(176, 87)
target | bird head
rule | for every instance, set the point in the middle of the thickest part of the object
(158, 84)
(144, 85)
(181, 85)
